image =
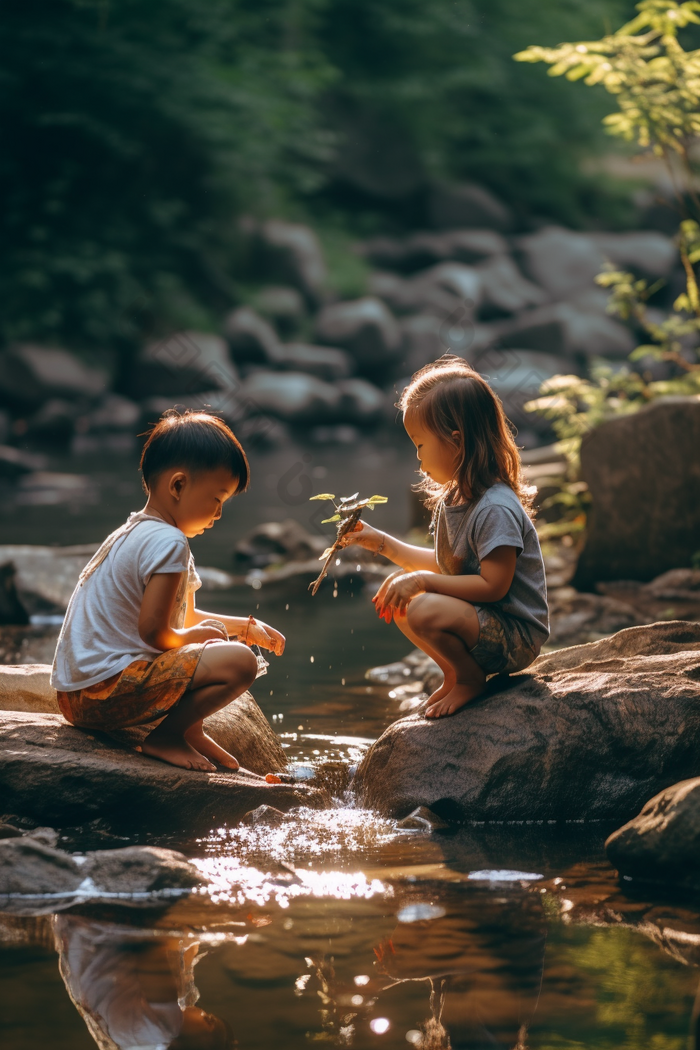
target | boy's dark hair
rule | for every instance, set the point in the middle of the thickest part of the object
(195, 440)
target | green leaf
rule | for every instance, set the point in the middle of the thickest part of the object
(377, 499)
(323, 495)
(336, 517)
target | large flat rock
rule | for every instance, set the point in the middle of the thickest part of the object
(589, 732)
(58, 775)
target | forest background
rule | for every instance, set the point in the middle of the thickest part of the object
(134, 137)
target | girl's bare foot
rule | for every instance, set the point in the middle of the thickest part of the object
(449, 682)
(456, 697)
(176, 751)
(203, 743)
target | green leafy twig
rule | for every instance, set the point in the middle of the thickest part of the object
(348, 512)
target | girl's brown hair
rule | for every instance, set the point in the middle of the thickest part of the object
(450, 395)
(196, 440)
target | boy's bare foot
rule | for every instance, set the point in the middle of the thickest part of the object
(176, 751)
(203, 743)
(456, 697)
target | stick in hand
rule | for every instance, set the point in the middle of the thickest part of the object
(347, 513)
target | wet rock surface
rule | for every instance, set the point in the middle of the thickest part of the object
(589, 732)
(53, 773)
(645, 515)
(29, 867)
(662, 843)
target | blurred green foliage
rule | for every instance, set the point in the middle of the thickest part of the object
(133, 135)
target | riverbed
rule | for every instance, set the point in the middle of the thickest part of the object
(335, 926)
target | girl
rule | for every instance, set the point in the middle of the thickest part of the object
(477, 604)
(133, 648)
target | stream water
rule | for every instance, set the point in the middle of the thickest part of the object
(336, 927)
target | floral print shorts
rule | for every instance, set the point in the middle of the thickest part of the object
(505, 643)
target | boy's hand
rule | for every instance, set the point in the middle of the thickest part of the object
(204, 632)
(397, 591)
(266, 637)
(363, 535)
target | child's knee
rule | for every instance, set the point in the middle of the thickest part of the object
(244, 664)
(422, 612)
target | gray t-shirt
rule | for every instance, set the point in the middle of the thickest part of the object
(467, 533)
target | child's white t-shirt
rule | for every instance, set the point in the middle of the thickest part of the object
(100, 633)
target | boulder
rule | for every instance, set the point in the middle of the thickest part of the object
(26, 687)
(439, 290)
(113, 413)
(251, 338)
(562, 260)
(361, 401)
(424, 249)
(30, 375)
(240, 728)
(421, 341)
(56, 774)
(576, 618)
(643, 474)
(504, 289)
(29, 867)
(662, 844)
(366, 329)
(587, 733)
(291, 396)
(14, 462)
(325, 362)
(283, 306)
(516, 375)
(567, 329)
(184, 363)
(52, 424)
(277, 541)
(45, 577)
(292, 253)
(466, 204)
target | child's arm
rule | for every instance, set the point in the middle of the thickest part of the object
(240, 628)
(156, 611)
(497, 571)
(406, 555)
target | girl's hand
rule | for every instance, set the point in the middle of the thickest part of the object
(258, 633)
(363, 535)
(397, 591)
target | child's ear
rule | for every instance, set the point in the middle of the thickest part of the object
(177, 484)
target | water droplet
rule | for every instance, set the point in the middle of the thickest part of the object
(311, 659)
(420, 911)
(380, 1025)
(414, 1037)
(361, 980)
(287, 607)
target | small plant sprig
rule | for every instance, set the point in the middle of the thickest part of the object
(348, 512)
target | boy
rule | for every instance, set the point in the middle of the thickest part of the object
(133, 648)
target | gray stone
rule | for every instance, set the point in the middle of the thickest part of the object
(283, 306)
(251, 338)
(676, 585)
(588, 732)
(292, 253)
(422, 340)
(662, 843)
(30, 375)
(324, 362)
(14, 462)
(647, 251)
(504, 289)
(186, 363)
(113, 413)
(30, 867)
(366, 329)
(440, 290)
(276, 541)
(52, 424)
(424, 249)
(361, 401)
(516, 375)
(291, 396)
(467, 204)
(45, 577)
(576, 618)
(568, 330)
(56, 774)
(422, 819)
(140, 869)
(643, 474)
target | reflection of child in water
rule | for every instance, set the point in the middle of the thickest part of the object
(135, 992)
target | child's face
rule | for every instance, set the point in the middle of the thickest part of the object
(438, 458)
(198, 499)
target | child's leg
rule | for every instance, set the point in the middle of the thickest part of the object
(225, 670)
(449, 627)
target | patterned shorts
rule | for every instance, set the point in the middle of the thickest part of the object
(505, 643)
(142, 693)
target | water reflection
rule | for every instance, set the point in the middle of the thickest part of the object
(135, 993)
